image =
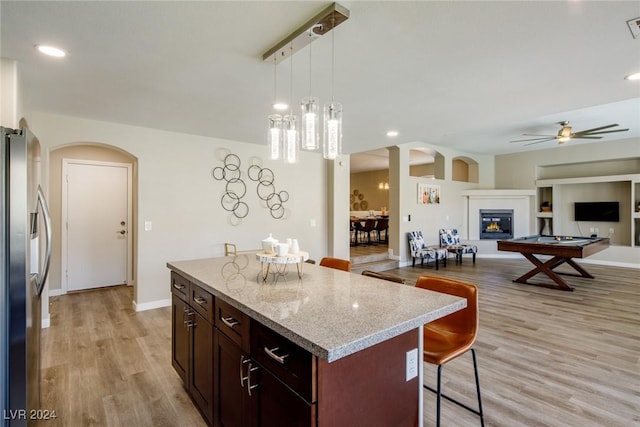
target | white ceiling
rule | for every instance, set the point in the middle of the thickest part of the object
(469, 75)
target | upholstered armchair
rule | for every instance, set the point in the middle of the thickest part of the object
(450, 240)
(420, 250)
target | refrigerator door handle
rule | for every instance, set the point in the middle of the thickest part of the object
(47, 228)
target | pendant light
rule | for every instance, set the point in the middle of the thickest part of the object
(274, 132)
(310, 126)
(332, 137)
(290, 148)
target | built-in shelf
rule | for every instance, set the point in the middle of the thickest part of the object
(561, 192)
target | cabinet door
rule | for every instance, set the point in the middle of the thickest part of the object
(279, 406)
(233, 403)
(201, 372)
(179, 337)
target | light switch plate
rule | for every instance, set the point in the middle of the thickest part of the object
(147, 226)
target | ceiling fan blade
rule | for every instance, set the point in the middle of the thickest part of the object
(546, 138)
(598, 128)
(537, 134)
(538, 142)
(600, 133)
(585, 137)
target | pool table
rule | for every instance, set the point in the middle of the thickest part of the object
(562, 249)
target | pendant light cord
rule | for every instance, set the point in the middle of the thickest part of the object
(333, 50)
(275, 93)
(291, 81)
(310, 42)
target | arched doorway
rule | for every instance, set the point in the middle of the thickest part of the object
(90, 153)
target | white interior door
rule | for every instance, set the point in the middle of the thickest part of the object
(96, 206)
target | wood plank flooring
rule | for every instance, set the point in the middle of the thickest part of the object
(546, 357)
(105, 365)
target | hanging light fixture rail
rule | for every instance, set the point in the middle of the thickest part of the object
(322, 23)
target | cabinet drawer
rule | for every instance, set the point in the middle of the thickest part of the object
(202, 302)
(179, 286)
(233, 323)
(289, 362)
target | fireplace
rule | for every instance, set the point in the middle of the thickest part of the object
(496, 224)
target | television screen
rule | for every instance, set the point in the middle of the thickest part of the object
(597, 211)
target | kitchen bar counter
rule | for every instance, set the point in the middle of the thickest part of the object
(330, 313)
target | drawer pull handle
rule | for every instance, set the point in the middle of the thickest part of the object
(249, 386)
(178, 286)
(200, 300)
(188, 321)
(229, 321)
(242, 377)
(271, 353)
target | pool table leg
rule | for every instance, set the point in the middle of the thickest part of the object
(579, 269)
(546, 268)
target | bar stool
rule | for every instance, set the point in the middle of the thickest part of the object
(451, 336)
(337, 263)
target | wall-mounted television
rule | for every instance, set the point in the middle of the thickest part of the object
(597, 211)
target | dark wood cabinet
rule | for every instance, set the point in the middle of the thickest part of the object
(277, 405)
(254, 394)
(192, 341)
(233, 403)
(201, 369)
(179, 337)
(241, 373)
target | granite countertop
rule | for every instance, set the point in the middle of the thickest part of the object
(331, 313)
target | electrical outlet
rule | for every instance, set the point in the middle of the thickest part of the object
(595, 230)
(412, 364)
(611, 231)
(591, 230)
(148, 226)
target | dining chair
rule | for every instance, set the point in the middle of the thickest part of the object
(451, 336)
(382, 225)
(383, 276)
(337, 263)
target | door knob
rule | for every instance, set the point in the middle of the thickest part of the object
(122, 232)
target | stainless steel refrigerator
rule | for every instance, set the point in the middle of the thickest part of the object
(25, 252)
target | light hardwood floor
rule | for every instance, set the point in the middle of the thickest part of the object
(546, 357)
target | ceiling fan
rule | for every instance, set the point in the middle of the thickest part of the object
(565, 134)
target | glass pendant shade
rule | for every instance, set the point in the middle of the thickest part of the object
(274, 136)
(310, 131)
(290, 145)
(332, 140)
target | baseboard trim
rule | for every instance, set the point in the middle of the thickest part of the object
(151, 305)
(56, 292)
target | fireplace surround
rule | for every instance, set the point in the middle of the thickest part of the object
(496, 224)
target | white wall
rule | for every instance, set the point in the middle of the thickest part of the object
(429, 218)
(10, 99)
(178, 194)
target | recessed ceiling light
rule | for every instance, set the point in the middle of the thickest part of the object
(392, 133)
(280, 106)
(634, 76)
(51, 51)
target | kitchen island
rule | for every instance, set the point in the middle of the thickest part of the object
(330, 348)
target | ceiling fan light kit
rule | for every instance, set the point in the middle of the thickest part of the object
(565, 134)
